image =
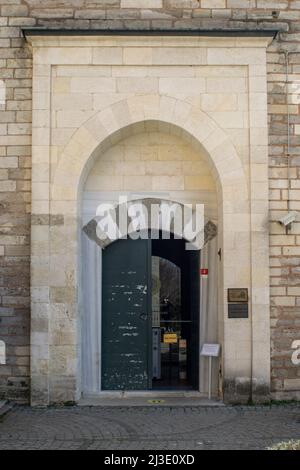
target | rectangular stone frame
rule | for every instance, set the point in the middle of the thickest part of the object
(55, 358)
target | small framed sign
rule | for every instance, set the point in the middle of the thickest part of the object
(210, 350)
(237, 295)
(240, 310)
(170, 338)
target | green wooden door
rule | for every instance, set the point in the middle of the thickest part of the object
(126, 329)
(193, 276)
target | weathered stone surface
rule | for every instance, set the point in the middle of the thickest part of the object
(15, 187)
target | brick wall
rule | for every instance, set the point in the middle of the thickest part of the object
(15, 118)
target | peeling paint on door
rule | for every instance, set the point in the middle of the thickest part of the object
(125, 316)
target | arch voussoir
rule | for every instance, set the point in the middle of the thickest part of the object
(189, 119)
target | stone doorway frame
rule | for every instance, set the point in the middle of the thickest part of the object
(243, 196)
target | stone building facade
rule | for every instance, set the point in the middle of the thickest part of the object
(225, 27)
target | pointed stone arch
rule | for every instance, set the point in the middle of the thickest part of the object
(109, 125)
(138, 114)
(242, 198)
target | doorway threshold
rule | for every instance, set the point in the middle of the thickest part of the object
(149, 398)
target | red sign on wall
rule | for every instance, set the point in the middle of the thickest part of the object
(204, 272)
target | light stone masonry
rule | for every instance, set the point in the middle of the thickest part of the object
(226, 80)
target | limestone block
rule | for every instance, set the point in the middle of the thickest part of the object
(258, 84)
(7, 186)
(40, 275)
(219, 102)
(235, 56)
(61, 85)
(165, 183)
(135, 108)
(258, 119)
(103, 100)
(189, 86)
(294, 291)
(198, 182)
(15, 140)
(130, 168)
(40, 191)
(40, 295)
(213, 3)
(63, 207)
(259, 172)
(140, 183)
(95, 130)
(217, 71)
(230, 119)
(137, 85)
(41, 118)
(198, 125)
(69, 55)
(122, 113)
(292, 384)
(183, 3)
(41, 84)
(103, 167)
(90, 14)
(63, 295)
(107, 55)
(93, 84)
(240, 3)
(4, 174)
(72, 118)
(259, 136)
(157, 168)
(283, 301)
(63, 359)
(112, 154)
(226, 85)
(258, 101)
(179, 56)
(134, 153)
(141, 4)
(108, 121)
(39, 207)
(137, 56)
(40, 136)
(83, 71)
(14, 10)
(40, 100)
(72, 101)
(259, 154)
(102, 183)
(182, 111)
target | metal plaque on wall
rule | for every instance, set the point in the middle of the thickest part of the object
(237, 295)
(239, 310)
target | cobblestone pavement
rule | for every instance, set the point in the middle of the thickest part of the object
(154, 428)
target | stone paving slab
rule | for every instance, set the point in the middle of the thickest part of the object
(129, 399)
(5, 407)
(148, 428)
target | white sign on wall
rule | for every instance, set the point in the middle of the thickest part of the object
(2, 94)
(210, 350)
(296, 353)
(2, 353)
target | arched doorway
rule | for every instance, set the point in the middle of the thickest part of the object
(154, 164)
(150, 315)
